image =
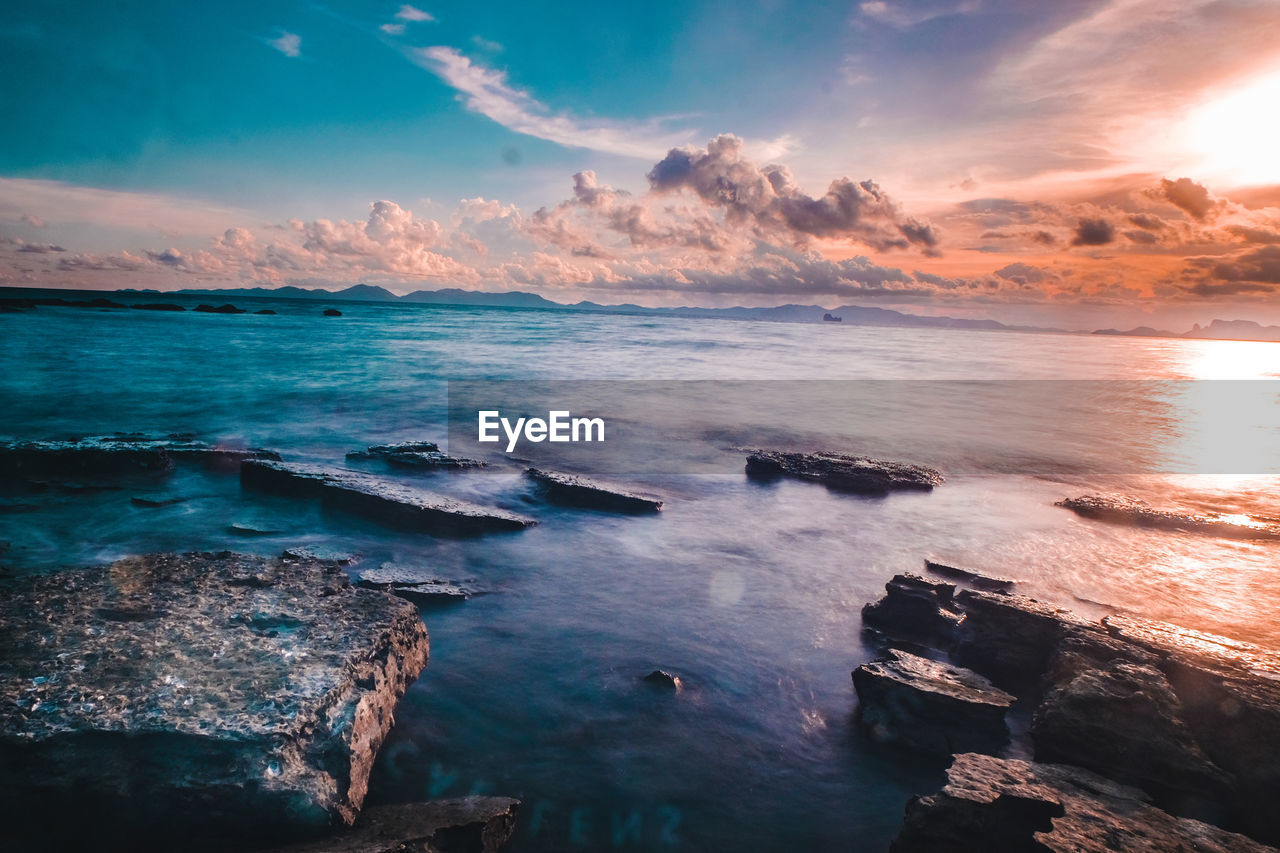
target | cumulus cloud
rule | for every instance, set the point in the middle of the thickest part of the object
(1189, 196)
(486, 91)
(290, 44)
(767, 199)
(1093, 232)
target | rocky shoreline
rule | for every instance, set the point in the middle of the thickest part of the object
(1145, 735)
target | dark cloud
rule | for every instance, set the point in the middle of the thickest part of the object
(1189, 196)
(768, 199)
(1093, 232)
(1233, 288)
(39, 248)
(1148, 221)
(1262, 265)
(1020, 273)
(1254, 235)
(1142, 238)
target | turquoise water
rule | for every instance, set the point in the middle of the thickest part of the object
(750, 592)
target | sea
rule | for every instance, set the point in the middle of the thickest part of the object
(749, 591)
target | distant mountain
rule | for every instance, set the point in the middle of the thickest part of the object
(1235, 330)
(853, 315)
(1139, 332)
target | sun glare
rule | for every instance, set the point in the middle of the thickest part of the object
(1235, 134)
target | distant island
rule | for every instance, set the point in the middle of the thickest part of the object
(1218, 330)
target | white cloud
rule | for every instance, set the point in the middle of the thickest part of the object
(392, 29)
(897, 15)
(410, 13)
(486, 91)
(31, 201)
(290, 44)
(487, 45)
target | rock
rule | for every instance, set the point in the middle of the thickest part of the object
(994, 804)
(221, 309)
(968, 576)
(416, 455)
(332, 312)
(410, 585)
(320, 554)
(379, 499)
(1124, 721)
(568, 490)
(155, 502)
(914, 610)
(662, 678)
(843, 472)
(158, 306)
(1140, 514)
(114, 456)
(1230, 696)
(1010, 638)
(479, 824)
(265, 311)
(930, 707)
(220, 692)
(238, 529)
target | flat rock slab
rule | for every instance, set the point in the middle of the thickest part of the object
(232, 693)
(930, 707)
(993, 804)
(116, 455)
(844, 472)
(472, 824)
(379, 499)
(1140, 514)
(415, 586)
(571, 490)
(969, 577)
(421, 455)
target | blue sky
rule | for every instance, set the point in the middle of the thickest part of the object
(1020, 159)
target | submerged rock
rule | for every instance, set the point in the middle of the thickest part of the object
(569, 490)
(930, 707)
(332, 312)
(413, 586)
(969, 577)
(264, 311)
(221, 309)
(844, 472)
(994, 804)
(662, 678)
(158, 306)
(472, 824)
(229, 693)
(424, 455)
(1140, 514)
(915, 610)
(379, 499)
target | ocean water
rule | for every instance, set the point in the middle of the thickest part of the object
(749, 591)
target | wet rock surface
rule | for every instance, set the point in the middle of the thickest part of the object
(379, 499)
(422, 455)
(470, 824)
(221, 309)
(663, 679)
(234, 694)
(114, 456)
(570, 490)
(414, 585)
(1191, 718)
(969, 577)
(993, 804)
(930, 707)
(844, 472)
(1118, 510)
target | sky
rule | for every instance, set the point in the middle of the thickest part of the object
(1099, 163)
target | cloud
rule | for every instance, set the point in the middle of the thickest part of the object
(902, 16)
(32, 220)
(69, 204)
(1234, 288)
(392, 29)
(487, 92)
(487, 45)
(410, 13)
(290, 44)
(1093, 232)
(768, 199)
(1262, 265)
(1021, 273)
(1189, 196)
